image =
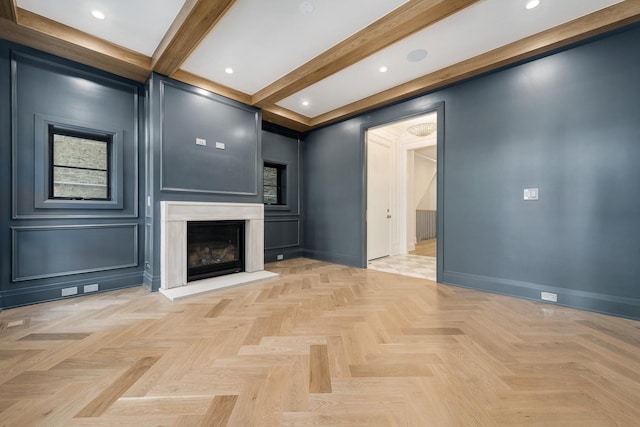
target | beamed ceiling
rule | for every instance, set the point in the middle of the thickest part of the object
(308, 63)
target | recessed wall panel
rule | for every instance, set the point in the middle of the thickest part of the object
(47, 92)
(208, 145)
(40, 252)
(281, 233)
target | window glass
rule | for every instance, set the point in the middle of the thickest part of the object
(79, 165)
(273, 178)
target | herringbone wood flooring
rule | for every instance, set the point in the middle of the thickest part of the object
(426, 248)
(321, 345)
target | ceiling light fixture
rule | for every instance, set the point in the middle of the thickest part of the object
(532, 3)
(97, 14)
(422, 129)
(416, 55)
(228, 70)
(383, 69)
(305, 103)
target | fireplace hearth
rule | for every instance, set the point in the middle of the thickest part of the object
(214, 248)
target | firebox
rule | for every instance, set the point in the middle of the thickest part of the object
(214, 248)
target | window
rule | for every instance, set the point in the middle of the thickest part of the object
(79, 165)
(274, 179)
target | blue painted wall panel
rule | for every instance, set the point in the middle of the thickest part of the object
(58, 92)
(41, 252)
(282, 223)
(188, 115)
(46, 249)
(333, 193)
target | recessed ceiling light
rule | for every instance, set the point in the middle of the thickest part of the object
(97, 14)
(416, 55)
(228, 70)
(305, 103)
(383, 69)
(532, 3)
(306, 8)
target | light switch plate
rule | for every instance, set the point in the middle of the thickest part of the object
(200, 141)
(220, 145)
(530, 194)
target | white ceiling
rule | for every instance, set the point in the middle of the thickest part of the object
(128, 23)
(264, 40)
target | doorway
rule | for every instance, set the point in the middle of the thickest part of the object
(402, 167)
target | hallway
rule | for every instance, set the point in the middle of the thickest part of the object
(420, 263)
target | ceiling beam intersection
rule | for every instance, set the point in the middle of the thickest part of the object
(8, 10)
(192, 24)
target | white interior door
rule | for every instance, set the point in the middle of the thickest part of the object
(378, 198)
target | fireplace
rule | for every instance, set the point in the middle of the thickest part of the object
(214, 248)
(175, 217)
(173, 244)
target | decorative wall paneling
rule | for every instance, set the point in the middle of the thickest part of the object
(51, 245)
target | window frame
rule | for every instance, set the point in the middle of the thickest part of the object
(43, 178)
(281, 186)
(93, 136)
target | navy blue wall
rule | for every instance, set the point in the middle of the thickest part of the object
(46, 245)
(567, 124)
(178, 169)
(282, 223)
(333, 193)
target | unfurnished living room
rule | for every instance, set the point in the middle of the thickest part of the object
(219, 213)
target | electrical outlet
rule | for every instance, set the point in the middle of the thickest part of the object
(69, 291)
(201, 141)
(91, 288)
(549, 296)
(220, 145)
(280, 257)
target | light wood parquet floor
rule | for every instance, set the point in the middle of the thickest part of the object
(320, 345)
(426, 248)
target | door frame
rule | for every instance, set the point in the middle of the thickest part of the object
(438, 108)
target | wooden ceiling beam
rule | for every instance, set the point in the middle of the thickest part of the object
(58, 39)
(8, 10)
(194, 80)
(192, 24)
(400, 23)
(287, 118)
(599, 22)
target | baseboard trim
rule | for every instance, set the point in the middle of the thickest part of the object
(53, 291)
(271, 255)
(591, 301)
(341, 259)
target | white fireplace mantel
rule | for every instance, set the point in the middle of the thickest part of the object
(173, 235)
